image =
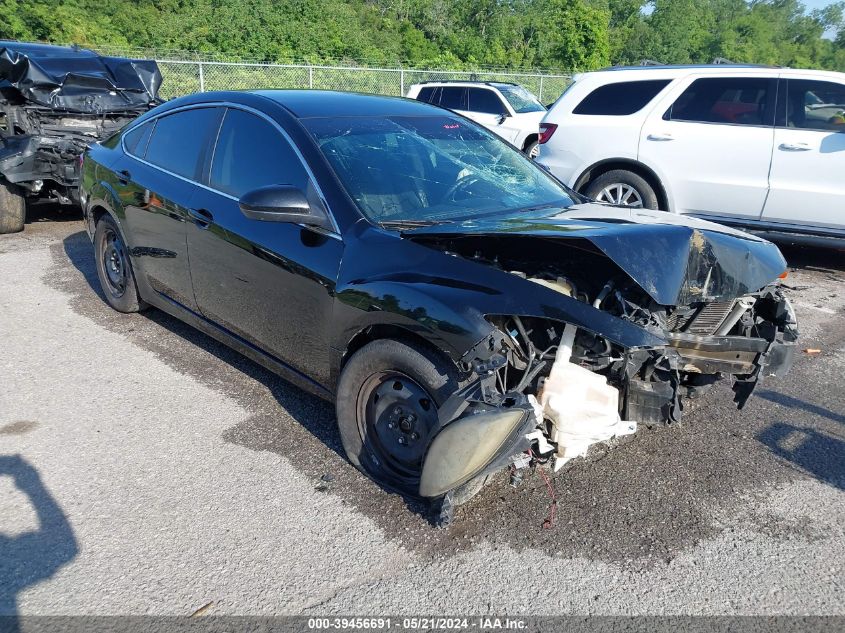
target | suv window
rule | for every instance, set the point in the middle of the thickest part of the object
(620, 99)
(486, 101)
(813, 105)
(425, 94)
(179, 140)
(734, 100)
(136, 141)
(453, 97)
(251, 153)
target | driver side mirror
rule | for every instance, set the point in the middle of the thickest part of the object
(283, 203)
(503, 117)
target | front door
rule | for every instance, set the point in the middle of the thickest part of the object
(269, 283)
(808, 163)
(712, 145)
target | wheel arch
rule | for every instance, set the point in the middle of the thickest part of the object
(534, 136)
(609, 164)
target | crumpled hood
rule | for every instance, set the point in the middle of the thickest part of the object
(78, 80)
(676, 259)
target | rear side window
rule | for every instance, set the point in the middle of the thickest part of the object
(179, 140)
(733, 100)
(486, 101)
(453, 97)
(620, 99)
(251, 153)
(425, 94)
(813, 105)
(135, 141)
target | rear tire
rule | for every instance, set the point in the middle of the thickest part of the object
(387, 401)
(624, 187)
(12, 208)
(532, 150)
(114, 268)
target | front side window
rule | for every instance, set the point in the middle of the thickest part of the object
(251, 153)
(179, 140)
(521, 100)
(814, 105)
(485, 101)
(620, 99)
(733, 100)
(431, 168)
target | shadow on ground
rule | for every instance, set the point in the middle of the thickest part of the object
(33, 556)
(646, 500)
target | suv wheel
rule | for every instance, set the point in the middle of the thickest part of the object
(623, 188)
(532, 150)
(12, 208)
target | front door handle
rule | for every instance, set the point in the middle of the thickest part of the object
(660, 137)
(794, 147)
(201, 217)
(124, 176)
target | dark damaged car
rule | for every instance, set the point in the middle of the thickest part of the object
(464, 310)
(54, 101)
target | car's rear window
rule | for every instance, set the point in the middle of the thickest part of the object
(620, 99)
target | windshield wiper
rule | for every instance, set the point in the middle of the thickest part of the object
(409, 224)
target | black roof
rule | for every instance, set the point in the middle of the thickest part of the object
(319, 103)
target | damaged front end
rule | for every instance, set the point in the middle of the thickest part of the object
(545, 389)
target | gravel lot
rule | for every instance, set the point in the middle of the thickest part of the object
(159, 473)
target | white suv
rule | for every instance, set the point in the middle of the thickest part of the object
(759, 147)
(508, 110)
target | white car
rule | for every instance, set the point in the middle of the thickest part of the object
(759, 147)
(508, 110)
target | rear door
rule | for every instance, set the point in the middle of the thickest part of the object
(157, 178)
(269, 283)
(807, 185)
(710, 140)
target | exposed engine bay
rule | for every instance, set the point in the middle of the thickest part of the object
(576, 387)
(40, 148)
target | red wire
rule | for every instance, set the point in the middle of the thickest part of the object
(550, 520)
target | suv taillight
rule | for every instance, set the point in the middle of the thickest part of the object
(546, 131)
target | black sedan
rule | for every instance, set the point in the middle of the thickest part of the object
(464, 310)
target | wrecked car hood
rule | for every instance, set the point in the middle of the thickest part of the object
(677, 260)
(78, 80)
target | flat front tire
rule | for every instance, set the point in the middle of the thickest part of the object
(387, 401)
(12, 208)
(114, 268)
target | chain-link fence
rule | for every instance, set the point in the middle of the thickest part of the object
(186, 76)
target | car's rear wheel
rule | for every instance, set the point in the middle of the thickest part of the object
(387, 402)
(12, 208)
(114, 269)
(532, 150)
(624, 188)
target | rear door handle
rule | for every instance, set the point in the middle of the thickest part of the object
(201, 217)
(660, 137)
(794, 147)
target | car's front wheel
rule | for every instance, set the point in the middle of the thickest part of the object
(12, 208)
(387, 403)
(623, 188)
(114, 268)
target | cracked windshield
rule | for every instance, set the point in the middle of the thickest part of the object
(420, 170)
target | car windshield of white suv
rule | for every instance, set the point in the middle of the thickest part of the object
(430, 169)
(521, 100)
